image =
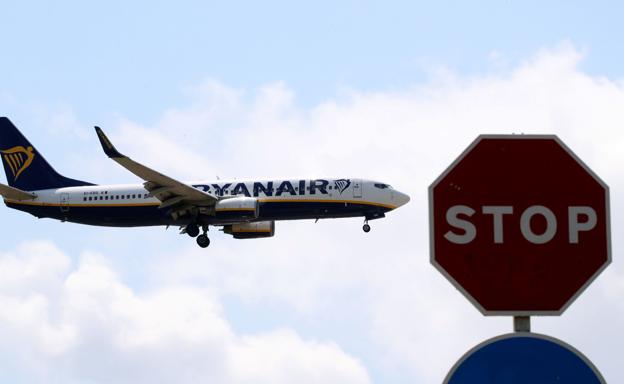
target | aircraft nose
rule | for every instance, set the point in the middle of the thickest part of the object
(400, 198)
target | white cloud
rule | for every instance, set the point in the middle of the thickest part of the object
(409, 323)
(417, 322)
(77, 324)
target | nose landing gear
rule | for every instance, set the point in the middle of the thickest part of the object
(366, 228)
(371, 216)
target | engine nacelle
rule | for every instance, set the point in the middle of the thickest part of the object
(251, 230)
(237, 208)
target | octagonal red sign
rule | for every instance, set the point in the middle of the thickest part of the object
(519, 225)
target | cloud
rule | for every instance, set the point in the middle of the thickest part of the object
(374, 295)
(415, 321)
(62, 323)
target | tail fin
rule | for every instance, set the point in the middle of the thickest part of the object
(25, 167)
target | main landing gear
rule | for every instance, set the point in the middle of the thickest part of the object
(193, 231)
(203, 240)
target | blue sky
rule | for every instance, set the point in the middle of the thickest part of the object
(135, 58)
(391, 91)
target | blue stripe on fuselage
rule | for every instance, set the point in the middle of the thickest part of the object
(105, 215)
(149, 214)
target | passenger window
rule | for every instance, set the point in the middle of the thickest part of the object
(134, 196)
(84, 199)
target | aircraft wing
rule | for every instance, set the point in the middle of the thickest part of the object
(169, 191)
(15, 194)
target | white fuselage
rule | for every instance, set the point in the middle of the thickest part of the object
(115, 205)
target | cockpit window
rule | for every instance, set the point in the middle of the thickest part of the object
(382, 186)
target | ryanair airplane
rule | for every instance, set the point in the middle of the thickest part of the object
(244, 209)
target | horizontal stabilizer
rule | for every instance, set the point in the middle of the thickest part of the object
(15, 194)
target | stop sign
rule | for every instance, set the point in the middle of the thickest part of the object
(519, 225)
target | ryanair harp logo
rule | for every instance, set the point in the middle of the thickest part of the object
(342, 184)
(18, 158)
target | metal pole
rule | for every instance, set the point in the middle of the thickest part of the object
(522, 323)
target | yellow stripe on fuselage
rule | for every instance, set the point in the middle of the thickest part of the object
(234, 209)
(44, 204)
(279, 200)
(262, 200)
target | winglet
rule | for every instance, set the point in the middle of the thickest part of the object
(107, 146)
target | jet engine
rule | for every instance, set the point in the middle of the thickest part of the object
(251, 230)
(237, 208)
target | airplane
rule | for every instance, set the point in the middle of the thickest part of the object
(244, 209)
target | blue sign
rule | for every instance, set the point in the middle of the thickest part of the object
(523, 358)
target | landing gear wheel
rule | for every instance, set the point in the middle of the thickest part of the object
(192, 230)
(366, 228)
(203, 240)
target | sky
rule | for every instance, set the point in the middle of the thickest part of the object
(392, 91)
